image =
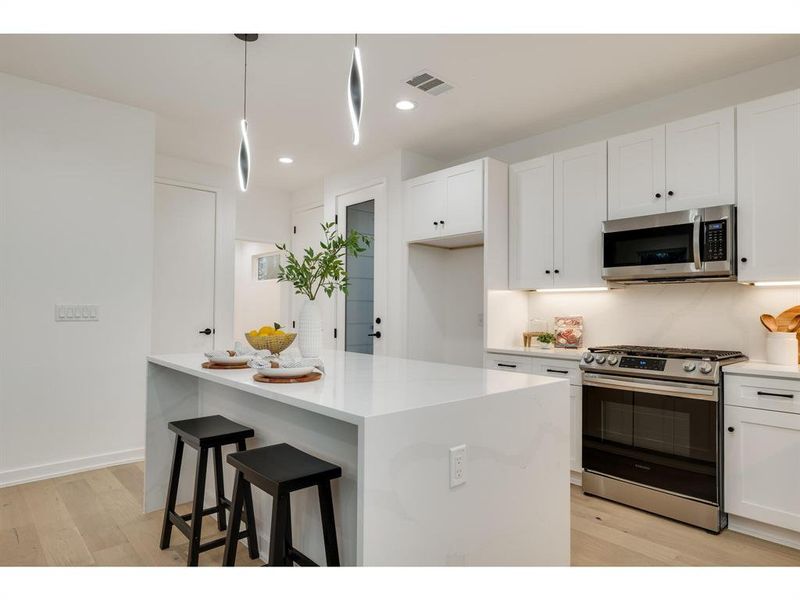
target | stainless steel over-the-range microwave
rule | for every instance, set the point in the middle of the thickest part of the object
(686, 245)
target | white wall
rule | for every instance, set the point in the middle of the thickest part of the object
(76, 210)
(259, 215)
(256, 303)
(719, 316)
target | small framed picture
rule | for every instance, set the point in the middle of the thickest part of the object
(569, 332)
(265, 266)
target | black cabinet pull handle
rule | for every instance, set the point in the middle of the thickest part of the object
(506, 365)
(557, 371)
(731, 429)
(206, 331)
(377, 334)
(658, 195)
(790, 396)
(670, 193)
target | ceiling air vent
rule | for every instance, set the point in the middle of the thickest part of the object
(429, 83)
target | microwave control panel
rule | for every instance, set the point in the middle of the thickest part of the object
(715, 240)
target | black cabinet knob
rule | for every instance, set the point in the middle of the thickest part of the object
(206, 331)
(669, 193)
(731, 429)
(658, 195)
(744, 259)
(435, 223)
(547, 272)
(441, 222)
(377, 334)
(556, 271)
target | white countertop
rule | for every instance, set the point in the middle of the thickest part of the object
(359, 386)
(561, 353)
(763, 369)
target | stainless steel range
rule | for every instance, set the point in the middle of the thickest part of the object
(652, 420)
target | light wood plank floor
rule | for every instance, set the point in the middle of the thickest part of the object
(95, 518)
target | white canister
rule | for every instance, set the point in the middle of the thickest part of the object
(782, 348)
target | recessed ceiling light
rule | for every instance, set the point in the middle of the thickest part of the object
(405, 105)
(286, 160)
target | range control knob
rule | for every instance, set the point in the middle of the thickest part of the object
(705, 368)
(600, 359)
(689, 366)
(588, 357)
(612, 360)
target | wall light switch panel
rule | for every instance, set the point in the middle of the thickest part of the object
(458, 464)
(77, 312)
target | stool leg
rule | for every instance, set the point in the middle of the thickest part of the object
(220, 484)
(172, 492)
(277, 534)
(232, 538)
(197, 507)
(252, 538)
(328, 524)
(289, 561)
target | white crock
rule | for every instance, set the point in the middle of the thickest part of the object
(309, 330)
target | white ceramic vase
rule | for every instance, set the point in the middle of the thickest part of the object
(309, 330)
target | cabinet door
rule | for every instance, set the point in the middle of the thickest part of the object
(761, 456)
(576, 427)
(424, 203)
(636, 174)
(463, 199)
(531, 224)
(700, 161)
(580, 206)
(768, 150)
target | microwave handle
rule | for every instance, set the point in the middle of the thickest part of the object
(698, 264)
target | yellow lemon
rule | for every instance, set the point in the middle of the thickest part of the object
(266, 330)
(279, 332)
(253, 332)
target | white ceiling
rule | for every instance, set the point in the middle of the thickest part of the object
(506, 87)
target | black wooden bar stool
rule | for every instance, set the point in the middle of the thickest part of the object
(203, 434)
(280, 470)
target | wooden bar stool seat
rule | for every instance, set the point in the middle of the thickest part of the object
(204, 434)
(279, 470)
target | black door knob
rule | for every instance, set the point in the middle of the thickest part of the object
(744, 259)
(658, 195)
(731, 429)
(669, 193)
(378, 320)
(206, 331)
(377, 334)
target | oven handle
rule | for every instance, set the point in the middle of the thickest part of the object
(630, 385)
(696, 243)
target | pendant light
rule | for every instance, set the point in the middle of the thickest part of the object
(244, 146)
(355, 90)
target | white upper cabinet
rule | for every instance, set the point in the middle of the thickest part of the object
(530, 218)
(700, 161)
(636, 178)
(579, 206)
(446, 203)
(768, 149)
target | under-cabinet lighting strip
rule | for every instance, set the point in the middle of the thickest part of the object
(775, 283)
(585, 289)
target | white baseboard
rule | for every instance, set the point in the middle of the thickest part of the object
(764, 531)
(576, 478)
(67, 467)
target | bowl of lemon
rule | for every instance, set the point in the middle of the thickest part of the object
(269, 338)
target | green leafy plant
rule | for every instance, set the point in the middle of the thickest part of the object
(323, 270)
(546, 338)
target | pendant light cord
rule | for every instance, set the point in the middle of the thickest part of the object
(356, 44)
(245, 80)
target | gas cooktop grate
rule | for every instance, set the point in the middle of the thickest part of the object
(661, 352)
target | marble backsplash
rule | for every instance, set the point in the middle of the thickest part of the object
(721, 316)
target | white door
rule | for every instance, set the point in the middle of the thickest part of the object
(768, 150)
(183, 278)
(531, 224)
(580, 206)
(636, 174)
(307, 233)
(361, 313)
(463, 199)
(762, 451)
(700, 161)
(424, 206)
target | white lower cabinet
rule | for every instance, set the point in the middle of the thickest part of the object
(762, 450)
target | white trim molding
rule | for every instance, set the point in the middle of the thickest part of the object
(68, 467)
(764, 531)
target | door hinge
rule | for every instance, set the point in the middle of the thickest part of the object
(294, 229)
(335, 333)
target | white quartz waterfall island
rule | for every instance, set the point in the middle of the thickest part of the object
(390, 424)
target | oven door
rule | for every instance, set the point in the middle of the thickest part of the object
(653, 247)
(654, 433)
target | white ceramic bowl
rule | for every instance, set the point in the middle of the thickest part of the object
(229, 360)
(281, 372)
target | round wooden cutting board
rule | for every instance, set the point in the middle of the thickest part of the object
(785, 318)
(304, 379)
(210, 365)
